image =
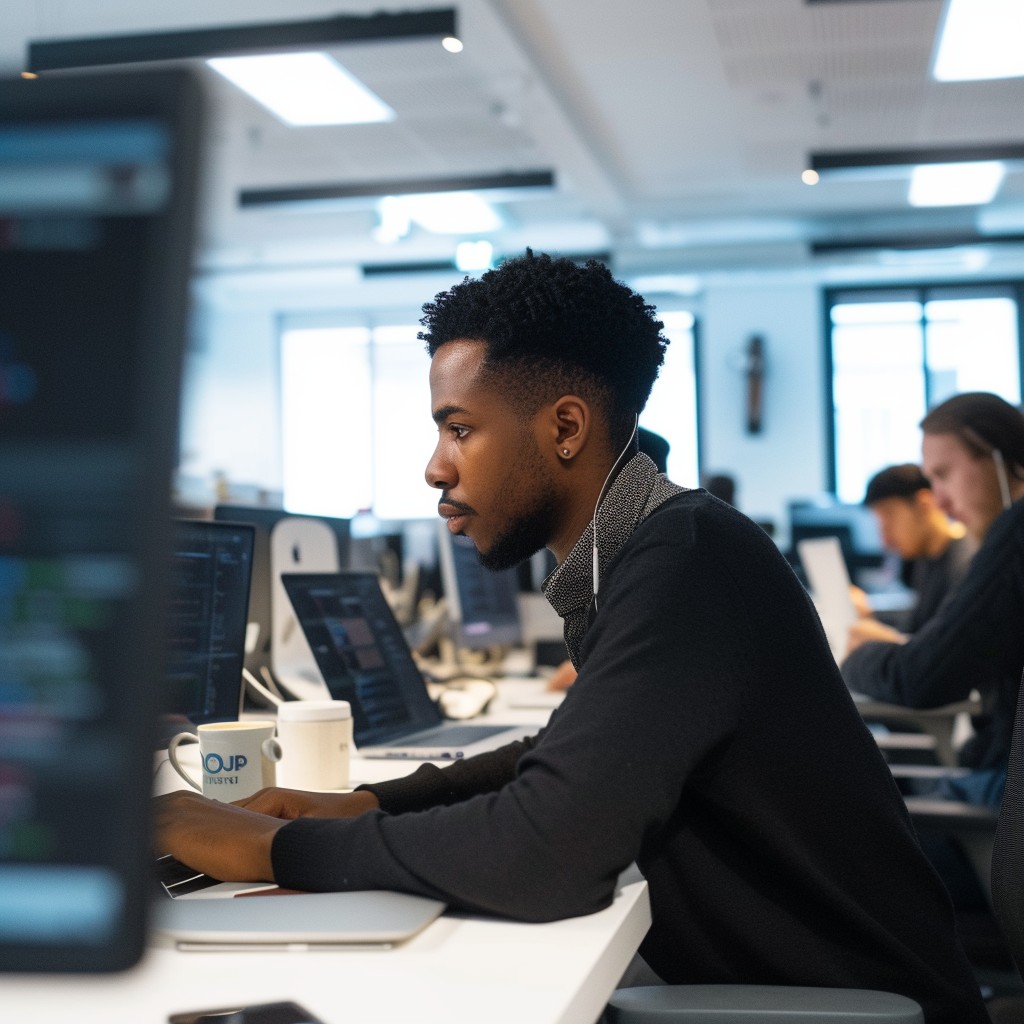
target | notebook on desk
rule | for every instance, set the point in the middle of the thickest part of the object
(364, 658)
(295, 921)
(829, 580)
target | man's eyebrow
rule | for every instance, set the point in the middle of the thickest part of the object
(441, 414)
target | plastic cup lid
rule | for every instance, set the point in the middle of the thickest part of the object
(314, 710)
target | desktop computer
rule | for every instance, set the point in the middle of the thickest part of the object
(482, 606)
(277, 652)
(853, 525)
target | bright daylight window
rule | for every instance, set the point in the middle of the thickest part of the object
(356, 427)
(672, 408)
(896, 354)
(355, 421)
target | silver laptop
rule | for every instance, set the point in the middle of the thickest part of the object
(364, 658)
(829, 580)
(295, 921)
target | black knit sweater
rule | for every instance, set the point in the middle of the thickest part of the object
(710, 738)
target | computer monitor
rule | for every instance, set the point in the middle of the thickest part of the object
(854, 525)
(210, 570)
(97, 199)
(483, 609)
(276, 638)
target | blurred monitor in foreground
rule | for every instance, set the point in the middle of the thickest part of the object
(97, 193)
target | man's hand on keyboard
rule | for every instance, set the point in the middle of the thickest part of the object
(229, 842)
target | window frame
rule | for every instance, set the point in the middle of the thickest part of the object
(916, 291)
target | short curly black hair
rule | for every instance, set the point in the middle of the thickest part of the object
(558, 325)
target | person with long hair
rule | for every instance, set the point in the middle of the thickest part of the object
(972, 453)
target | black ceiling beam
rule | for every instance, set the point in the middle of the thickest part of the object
(851, 160)
(815, 3)
(93, 51)
(372, 189)
(948, 240)
(444, 266)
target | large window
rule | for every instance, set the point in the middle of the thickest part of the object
(896, 353)
(355, 414)
(355, 420)
(672, 408)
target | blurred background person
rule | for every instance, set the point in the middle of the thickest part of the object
(973, 455)
(722, 486)
(935, 550)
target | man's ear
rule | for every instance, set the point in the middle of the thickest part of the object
(570, 425)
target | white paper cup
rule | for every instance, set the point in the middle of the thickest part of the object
(315, 738)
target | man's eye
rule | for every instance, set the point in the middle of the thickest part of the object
(459, 432)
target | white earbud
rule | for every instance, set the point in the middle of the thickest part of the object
(1004, 483)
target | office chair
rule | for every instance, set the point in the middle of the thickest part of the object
(758, 1004)
(937, 723)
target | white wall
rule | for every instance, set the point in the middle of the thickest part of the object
(789, 457)
(230, 421)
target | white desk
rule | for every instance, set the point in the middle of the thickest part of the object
(460, 970)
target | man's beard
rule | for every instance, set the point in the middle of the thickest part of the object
(525, 536)
(531, 522)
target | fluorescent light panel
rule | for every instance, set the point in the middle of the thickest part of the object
(304, 89)
(965, 184)
(442, 213)
(980, 39)
(474, 255)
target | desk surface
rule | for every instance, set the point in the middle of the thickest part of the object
(462, 968)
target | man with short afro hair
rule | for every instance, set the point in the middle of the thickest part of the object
(549, 323)
(708, 738)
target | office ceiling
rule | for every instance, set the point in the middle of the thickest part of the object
(676, 132)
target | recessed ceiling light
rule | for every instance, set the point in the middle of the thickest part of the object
(451, 44)
(304, 89)
(980, 39)
(810, 177)
(965, 184)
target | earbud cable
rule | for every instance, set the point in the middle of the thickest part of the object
(596, 568)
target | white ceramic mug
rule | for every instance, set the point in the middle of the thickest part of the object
(237, 758)
(315, 738)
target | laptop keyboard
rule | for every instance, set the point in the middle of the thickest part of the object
(177, 879)
(453, 735)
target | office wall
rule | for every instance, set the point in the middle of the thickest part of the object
(789, 457)
(231, 417)
(230, 420)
